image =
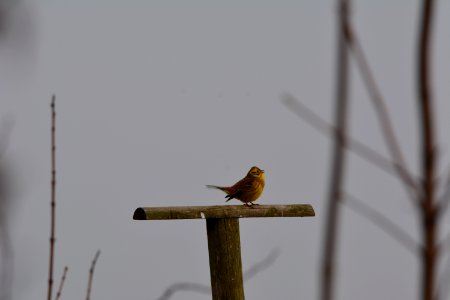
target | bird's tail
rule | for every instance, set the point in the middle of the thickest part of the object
(222, 188)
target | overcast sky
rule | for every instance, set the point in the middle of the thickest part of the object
(155, 99)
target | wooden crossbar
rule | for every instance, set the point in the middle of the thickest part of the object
(223, 211)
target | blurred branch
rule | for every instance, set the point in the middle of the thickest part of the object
(444, 200)
(384, 120)
(185, 286)
(91, 275)
(337, 173)
(6, 263)
(61, 284)
(5, 133)
(382, 222)
(6, 183)
(318, 123)
(52, 201)
(445, 243)
(206, 289)
(261, 265)
(443, 289)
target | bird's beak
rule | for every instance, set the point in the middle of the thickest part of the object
(262, 171)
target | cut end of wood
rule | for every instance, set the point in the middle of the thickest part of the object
(139, 214)
(223, 211)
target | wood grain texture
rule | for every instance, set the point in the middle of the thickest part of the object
(223, 211)
(225, 264)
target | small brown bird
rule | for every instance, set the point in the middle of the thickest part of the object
(246, 190)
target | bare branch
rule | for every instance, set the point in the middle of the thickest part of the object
(430, 224)
(382, 113)
(337, 173)
(205, 289)
(91, 275)
(61, 284)
(382, 222)
(52, 202)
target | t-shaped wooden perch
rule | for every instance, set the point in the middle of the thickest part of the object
(222, 226)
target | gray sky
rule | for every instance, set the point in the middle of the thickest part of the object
(155, 99)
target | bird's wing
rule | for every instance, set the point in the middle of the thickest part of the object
(243, 186)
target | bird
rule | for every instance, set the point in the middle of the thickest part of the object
(246, 190)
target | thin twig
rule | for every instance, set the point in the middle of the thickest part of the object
(382, 113)
(382, 222)
(91, 275)
(205, 289)
(52, 201)
(61, 284)
(338, 161)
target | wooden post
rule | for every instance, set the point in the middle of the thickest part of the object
(222, 226)
(225, 264)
